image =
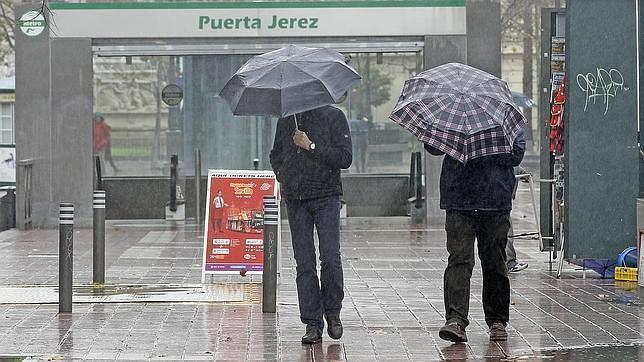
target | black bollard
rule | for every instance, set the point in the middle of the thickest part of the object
(99, 173)
(65, 257)
(99, 237)
(174, 160)
(269, 274)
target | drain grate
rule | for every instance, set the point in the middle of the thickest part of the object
(209, 293)
(11, 358)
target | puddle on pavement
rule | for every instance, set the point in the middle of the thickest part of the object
(221, 292)
(129, 289)
(626, 293)
(600, 353)
(626, 299)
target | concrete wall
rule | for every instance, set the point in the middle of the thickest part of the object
(32, 114)
(481, 49)
(484, 35)
(53, 124)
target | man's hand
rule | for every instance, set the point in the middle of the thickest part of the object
(301, 139)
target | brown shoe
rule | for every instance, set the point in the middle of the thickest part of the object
(453, 332)
(497, 332)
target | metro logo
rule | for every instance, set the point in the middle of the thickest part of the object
(32, 23)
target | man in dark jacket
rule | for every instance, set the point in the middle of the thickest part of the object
(307, 162)
(477, 198)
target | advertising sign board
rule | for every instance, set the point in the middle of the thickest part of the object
(233, 231)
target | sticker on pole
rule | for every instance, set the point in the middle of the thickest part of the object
(172, 95)
(32, 23)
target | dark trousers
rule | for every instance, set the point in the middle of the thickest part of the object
(317, 297)
(491, 233)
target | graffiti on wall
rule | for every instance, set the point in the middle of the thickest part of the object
(601, 86)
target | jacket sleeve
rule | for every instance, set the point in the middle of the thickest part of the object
(518, 148)
(338, 154)
(432, 150)
(277, 156)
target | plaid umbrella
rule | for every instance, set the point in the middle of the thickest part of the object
(462, 111)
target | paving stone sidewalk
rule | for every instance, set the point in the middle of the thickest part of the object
(392, 310)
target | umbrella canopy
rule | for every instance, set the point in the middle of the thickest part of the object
(522, 100)
(289, 80)
(460, 110)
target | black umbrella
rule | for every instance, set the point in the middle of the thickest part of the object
(289, 80)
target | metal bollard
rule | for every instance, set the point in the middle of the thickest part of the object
(99, 174)
(269, 274)
(99, 237)
(174, 161)
(65, 257)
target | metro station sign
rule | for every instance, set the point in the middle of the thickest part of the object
(258, 19)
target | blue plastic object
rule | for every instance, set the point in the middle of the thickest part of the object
(628, 257)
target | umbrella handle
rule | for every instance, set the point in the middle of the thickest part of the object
(295, 119)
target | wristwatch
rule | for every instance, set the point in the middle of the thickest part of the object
(312, 146)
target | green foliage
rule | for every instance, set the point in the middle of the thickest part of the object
(373, 90)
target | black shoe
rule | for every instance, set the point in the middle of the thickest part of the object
(498, 332)
(313, 335)
(334, 327)
(453, 332)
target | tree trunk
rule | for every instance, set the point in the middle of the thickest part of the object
(527, 65)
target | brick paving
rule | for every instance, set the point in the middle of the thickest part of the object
(392, 310)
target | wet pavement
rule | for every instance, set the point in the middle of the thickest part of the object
(393, 304)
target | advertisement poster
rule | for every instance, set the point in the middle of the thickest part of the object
(233, 235)
(7, 164)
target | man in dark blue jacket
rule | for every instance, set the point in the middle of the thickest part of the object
(477, 198)
(307, 162)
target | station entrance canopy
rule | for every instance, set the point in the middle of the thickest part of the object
(205, 41)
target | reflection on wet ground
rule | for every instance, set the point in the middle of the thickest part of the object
(602, 353)
(392, 311)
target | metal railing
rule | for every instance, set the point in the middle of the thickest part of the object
(135, 144)
(415, 188)
(416, 199)
(26, 166)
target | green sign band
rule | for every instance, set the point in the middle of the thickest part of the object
(260, 5)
